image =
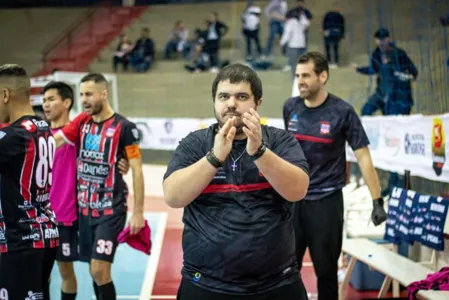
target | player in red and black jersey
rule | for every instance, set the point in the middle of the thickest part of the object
(28, 232)
(103, 137)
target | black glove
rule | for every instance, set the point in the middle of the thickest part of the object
(378, 216)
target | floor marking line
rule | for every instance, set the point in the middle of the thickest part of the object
(153, 261)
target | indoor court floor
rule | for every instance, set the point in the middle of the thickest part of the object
(157, 277)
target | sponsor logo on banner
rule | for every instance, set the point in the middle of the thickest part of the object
(168, 139)
(373, 134)
(392, 140)
(144, 133)
(438, 146)
(414, 144)
(135, 133)
(168, 125)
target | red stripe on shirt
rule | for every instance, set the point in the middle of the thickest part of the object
(314, 139)
(27, 169)
(228, 188)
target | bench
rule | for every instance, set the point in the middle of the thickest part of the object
(391, 264)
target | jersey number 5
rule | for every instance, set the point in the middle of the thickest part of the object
(46, 152)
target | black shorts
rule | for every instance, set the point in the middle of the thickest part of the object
(98, 237)
(68, 243)
(190, 291)
(26, 273)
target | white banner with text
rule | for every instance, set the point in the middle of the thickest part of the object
(417, 143)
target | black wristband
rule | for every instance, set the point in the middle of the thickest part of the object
(259, 152)
(213, 160)
(380, 201)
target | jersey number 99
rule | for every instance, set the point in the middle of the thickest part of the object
(46, 156)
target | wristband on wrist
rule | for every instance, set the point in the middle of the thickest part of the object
(380, 201)
(259, 152)
(213, 160)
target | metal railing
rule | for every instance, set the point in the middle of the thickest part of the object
(66, 36)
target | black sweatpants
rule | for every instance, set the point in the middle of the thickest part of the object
(189, 291)
(318, 226)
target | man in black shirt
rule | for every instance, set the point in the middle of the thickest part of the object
(236, 181)
(323, 123)
(28, 232)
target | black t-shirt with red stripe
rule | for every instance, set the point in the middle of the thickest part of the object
(27, 151)
(100, 186)
(238, 234)
(323, 132)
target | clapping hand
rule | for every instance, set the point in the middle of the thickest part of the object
(253, 131)
(223, 140)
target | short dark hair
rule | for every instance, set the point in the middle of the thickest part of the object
(12, 70)
(382, 33)
(17, 71)
(237, 73)
(64, 90)
(95, 77)
(319, 61)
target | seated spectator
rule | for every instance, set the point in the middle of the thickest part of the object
(200, 58)
(199, 37)
(251, 25)
(142, 55)
(121, 55)
(177, 40)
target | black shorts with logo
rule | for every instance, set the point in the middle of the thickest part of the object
(25, 274)
(98, 237)
(68, 243)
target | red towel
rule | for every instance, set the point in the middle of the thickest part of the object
(140, 241)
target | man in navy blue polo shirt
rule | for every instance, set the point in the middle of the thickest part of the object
(323, 123)
(237, 181)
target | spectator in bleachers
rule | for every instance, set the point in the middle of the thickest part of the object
(334, 31)
(395, 71)
(275, 12)
(199, 57)
(215, 31)
(294, 37)
(301, 7)
(251, 26)
(177, 40)
(121, 55)
(142, 55)
(199, 37)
